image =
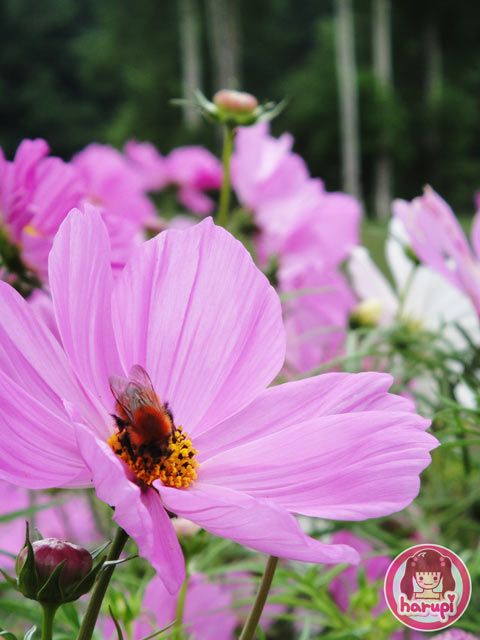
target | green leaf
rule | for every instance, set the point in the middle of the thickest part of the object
(155, 634)
(30, 511)
(7, 635)
(30, 633)
(11, 581)
(113, 563)
(117, 625)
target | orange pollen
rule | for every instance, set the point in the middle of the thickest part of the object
(177, 468)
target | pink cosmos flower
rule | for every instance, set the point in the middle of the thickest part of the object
(438, 240)
(208, 611)
(264, 168)
(112, 183)
(194, 170)
(343, 586)
(149, 163)
(298, 219)
(59, 188)
(18, 180)
(71, 519)
(192, 311)
(456, 634)
(317, 306)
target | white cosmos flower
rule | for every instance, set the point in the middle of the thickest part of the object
(419, 297)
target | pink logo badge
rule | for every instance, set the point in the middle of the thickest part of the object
(427, 587)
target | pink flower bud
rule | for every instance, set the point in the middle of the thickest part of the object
(50, 552)
(235, 101)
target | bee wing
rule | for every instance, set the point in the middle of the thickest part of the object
(141, 387)
(140, 377)
(119, 387)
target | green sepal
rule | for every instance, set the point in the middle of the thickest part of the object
(99, 550)
(51, 592)
(7, 635)
(28, 576)
(81, 588)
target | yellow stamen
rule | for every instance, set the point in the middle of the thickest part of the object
(177, 469)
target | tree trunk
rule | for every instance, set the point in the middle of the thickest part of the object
(348, 97)
(190, 58)
(224, 37)
(433, 57)
(382, 66)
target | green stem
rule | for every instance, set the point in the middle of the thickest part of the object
(224, 206)
(177, 628)
(49, 611)
(260, 600)
(93, 609)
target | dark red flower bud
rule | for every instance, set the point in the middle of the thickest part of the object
(50, 552)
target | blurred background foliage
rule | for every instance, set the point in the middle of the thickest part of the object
(74, 71)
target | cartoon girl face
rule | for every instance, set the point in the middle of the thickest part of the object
(427, 580)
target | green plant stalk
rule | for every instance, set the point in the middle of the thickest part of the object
(177, 627)
(224, 205)
(49, 611)
(251, 624)
(93, 609)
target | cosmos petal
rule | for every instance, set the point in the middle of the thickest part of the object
(193, 309)
(38, 446)
(31, 357)
(253, 522)
(440, 307)
(81, 285)
(288, 404)
(139, 512)
(351, 466)
(401, 266)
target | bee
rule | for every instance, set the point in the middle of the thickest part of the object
(144, 423)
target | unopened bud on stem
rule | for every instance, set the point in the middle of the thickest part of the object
(235, 102)
(49, 553)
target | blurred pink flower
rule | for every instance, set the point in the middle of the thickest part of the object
(59, 188)
(149, 163)
(297, 218)
(194, 170)
(70, 520)
(193, 310)
(208, 611)
(455, 634)
(438, 240)
(112, 183)
(18, 179)
(317, 304)
(264, 168)
(345, 585)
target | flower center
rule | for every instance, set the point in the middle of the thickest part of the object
(174, 463)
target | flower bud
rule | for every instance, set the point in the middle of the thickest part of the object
(236, 108)
(49, 553)
(235, 102)
(52, 571)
